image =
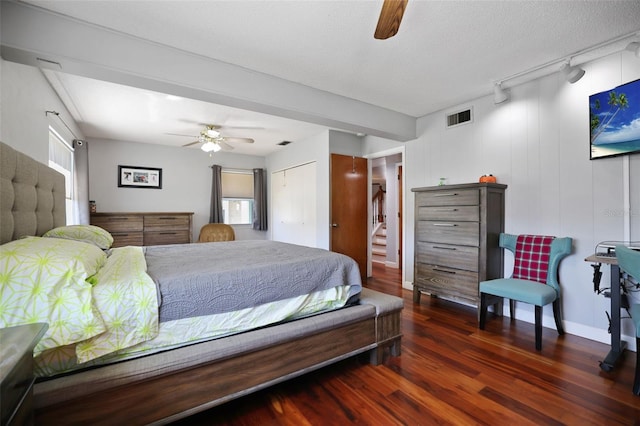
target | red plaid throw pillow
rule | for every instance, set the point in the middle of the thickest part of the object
(532, 257)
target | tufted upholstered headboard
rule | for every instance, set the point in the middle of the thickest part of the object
(32, 196)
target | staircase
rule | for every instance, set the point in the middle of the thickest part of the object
(379, 244)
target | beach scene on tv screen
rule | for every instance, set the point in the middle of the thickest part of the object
(615, 121)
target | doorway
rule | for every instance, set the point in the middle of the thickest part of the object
(386, 251)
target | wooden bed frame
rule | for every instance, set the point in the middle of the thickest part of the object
(164, 387)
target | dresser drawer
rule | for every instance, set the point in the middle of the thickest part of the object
(449, 213)
(157, 238)
(163, 222)
(121, 239)
(451, 256)
(119, 223)
(447, 281)
(453, 197)
(455, 233)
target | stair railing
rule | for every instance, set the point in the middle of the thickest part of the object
(378, 206)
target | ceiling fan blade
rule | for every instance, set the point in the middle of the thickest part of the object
(225, 146)
(243, 140)
(390, 18)
(180, 134)
(192, 143)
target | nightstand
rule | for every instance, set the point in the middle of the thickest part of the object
(16, 372)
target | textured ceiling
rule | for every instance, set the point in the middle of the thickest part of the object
(445, 53)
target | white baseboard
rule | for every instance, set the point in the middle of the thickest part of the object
(576, 329)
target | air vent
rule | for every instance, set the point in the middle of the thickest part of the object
(460, 117)
(284, 143)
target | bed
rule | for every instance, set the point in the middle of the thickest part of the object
(137, 380)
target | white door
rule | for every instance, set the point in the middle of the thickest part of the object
(293, 205)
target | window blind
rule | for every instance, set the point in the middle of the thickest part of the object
(237, 185)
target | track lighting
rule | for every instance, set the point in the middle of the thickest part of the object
(634, 47)
(571, 74)
(499, 94)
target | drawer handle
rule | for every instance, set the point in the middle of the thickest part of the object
(444, 270)
(446, 210)
(444, 248)
(447, 194)
(167, 233)
(168, 218)
(114, 219)
(445, 224)
(119, 234)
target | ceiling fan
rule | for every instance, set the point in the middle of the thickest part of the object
(213, 141)
(390, 18)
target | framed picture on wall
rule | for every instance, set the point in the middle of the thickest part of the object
(139, 177)
(615, 121)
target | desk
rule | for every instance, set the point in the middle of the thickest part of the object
(617, 345)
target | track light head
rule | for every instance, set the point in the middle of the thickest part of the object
(571, 74)
(634, 47)
(499, 94)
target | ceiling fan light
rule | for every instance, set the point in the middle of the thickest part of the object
(213, 133)
(572, 74)
(210, 146)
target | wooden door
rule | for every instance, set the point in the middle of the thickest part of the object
(349, 177)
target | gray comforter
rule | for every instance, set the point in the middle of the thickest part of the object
(208, 278)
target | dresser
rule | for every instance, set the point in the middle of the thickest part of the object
(457, 231)
(146, 229)
(16, 372)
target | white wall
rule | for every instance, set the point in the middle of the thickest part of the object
(538, 145)
(186, 180)
(25, 96)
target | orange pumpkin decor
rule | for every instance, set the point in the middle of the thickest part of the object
(487, 179)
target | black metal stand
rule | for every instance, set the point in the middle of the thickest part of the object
(617, 345)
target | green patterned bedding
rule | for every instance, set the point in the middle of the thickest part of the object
(94, 304)
(44, 280)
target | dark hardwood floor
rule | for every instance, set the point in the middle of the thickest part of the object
(450, 372)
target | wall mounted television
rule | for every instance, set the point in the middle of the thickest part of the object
(615, 121)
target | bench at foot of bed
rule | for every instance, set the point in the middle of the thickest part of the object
(167, 386)
(388, 319)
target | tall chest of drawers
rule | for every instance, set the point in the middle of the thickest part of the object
(146, 229)
(457, 232)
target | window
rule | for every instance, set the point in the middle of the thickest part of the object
(61, 160)
(237, 197)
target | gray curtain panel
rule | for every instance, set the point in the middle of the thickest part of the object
(81, 181)
(215, 213)
(259, 199)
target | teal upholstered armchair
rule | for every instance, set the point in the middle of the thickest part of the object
(629, 262)
(534, 279)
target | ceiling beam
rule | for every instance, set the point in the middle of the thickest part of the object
(34, 36)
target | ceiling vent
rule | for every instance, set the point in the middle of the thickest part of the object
(284, 143)
(460, 117)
